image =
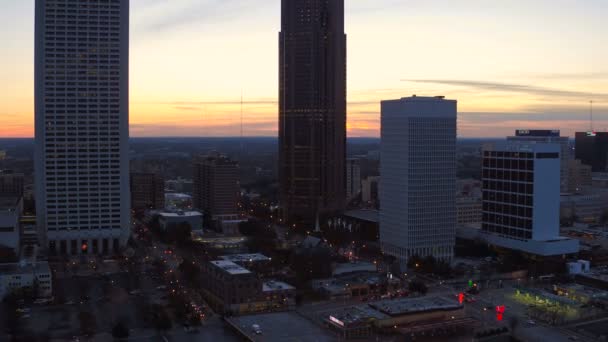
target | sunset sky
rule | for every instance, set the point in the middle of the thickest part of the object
(509, 63)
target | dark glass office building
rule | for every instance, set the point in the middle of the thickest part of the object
(592, 150)
(312, 109)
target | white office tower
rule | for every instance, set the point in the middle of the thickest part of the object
(418, 178)
(82, 125)
(521, 198)
(353, 179)
(549, 136)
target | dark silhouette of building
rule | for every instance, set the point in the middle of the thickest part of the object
(11, 184)
(592, 150)
(216, 188)
(312, 108)
(147, 191)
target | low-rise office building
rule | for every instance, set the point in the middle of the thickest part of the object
(359, 321)
(232, 289)
(21, 278)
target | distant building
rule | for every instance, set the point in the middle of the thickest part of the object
(549, 136)
(232, 289)
(592, 150)
(521, 194)
(418, 184)
(585, 208)
(179, 185)
(168, 219)
(312, 109)
(20, 278)
(369, 189)
(147, 191)
(10, 214)
(353, 179)
(11, 184)
(579, 176)
(178, 201)
(216, 188)
(468, 210)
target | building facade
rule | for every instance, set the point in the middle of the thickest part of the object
(468, 210)
(24, 278)
(147, 191)
(521, 197)
(369, 189)
(580, 177)
(232, 289)
(418, 178)
(549, 136)
(353, 179)
(11, 184)
(216, 187)
(82, 125)
(10, 227)
(312, 109)
(592, 150)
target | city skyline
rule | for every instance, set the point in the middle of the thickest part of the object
(506, 72)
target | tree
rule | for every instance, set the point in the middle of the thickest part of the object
(120, 331)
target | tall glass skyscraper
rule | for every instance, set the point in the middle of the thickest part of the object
(82, 125)
(418, 178)
(312, 109)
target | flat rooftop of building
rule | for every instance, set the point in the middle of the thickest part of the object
(278, 327)
(367, 215)
(230, 267)
(180, 213)
(21, 268)
(354, 315)
(275, 285)
(404, 306)
(255, 257)
(352, 267)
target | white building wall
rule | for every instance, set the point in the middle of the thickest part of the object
(418, 177)
(545, 214)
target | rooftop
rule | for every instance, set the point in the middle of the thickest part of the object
(363, 215)
(230, 267)
(180, 213)
(275, 285)
(273, 327)
(355, 315)
(22, 268)
(354, 267)
(403, 306)
(245, 257)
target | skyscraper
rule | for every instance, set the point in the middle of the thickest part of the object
(312, 109)
(521, 197)
(216, 188)
(82, 125)
(592, 150)
(418, 178)
(549, 136)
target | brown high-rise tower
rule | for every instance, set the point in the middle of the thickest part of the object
(312, 108)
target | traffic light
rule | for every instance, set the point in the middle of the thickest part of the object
(500, 311)
(460, 298)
